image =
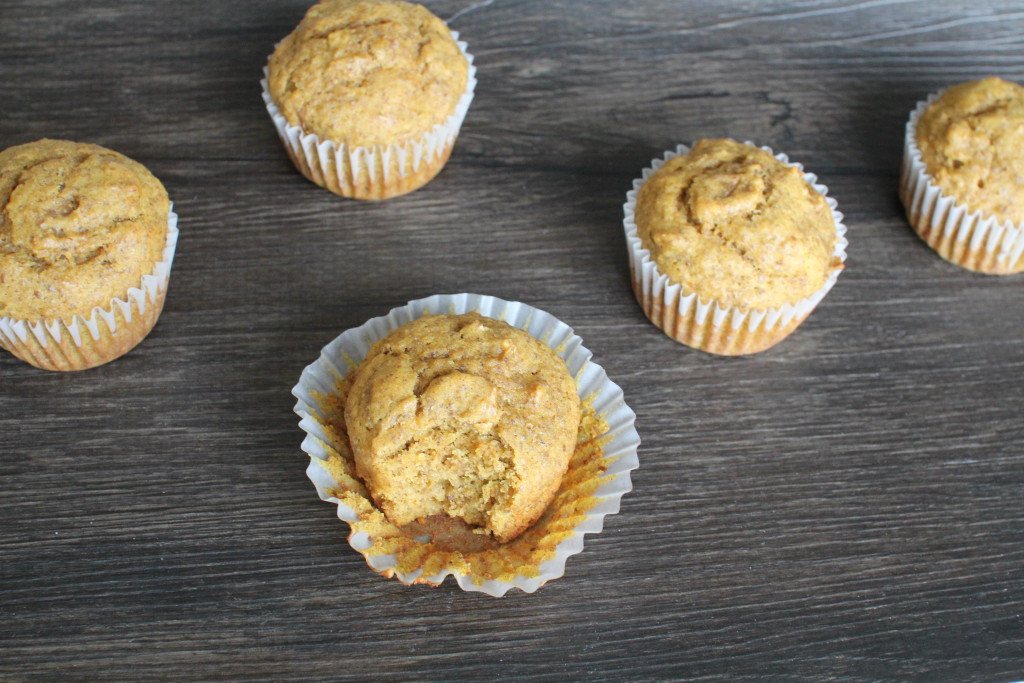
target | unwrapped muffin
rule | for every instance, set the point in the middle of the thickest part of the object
(428, 550)
(465, 417)
(963, 175)
(87, 236)
(368, 95)
(730, 247)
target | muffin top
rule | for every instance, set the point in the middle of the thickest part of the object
(732, 223)
(79, 225)
(972, 143)
(462, 416)
(366, 72)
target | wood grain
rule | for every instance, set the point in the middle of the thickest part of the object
(846, 505)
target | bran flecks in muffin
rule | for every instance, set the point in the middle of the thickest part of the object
(733, 230)
(382, 83)
(462, 417)
(962, 181)
(80, 226)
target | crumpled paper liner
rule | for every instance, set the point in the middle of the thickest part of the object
(963, 237)
(108, 333)
(706, 325)
(380, 171)
(597, 477)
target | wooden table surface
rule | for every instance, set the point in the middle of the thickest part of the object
(846, 504)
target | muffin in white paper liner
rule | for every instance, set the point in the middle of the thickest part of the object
(969, 239)
(598, 475)
(707, 325)
(378, 171)
(108, 333)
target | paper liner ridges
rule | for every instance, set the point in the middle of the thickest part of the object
(706, 325)
(966, 238)
(380, 171)
(83, 342)
(619, 443)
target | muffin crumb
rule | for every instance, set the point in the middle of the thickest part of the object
(79, 224)
(462, 417)
(735, 225)
(972, 144)
(367, 72)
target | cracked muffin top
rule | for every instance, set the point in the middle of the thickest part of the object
(972, 144)
(367, 72)
(734, 224)
(463, 417)
(79, 225)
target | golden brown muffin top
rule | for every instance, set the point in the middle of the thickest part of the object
(366, 72)
(464, 416)
(972, 143)
(732, 223)
(79, 225)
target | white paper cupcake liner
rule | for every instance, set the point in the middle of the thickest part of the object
(339, 358)
(45, 344)
(673, 308)
(380, 171)
(966, 238)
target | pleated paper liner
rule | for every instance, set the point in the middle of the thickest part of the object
(707, 325)
(378, 171)
(966, 238)
(597, 477)
(108, 333)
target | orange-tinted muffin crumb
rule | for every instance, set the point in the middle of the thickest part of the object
(79, 225)
(466, 417)
(735, 225)
(972, 144)
(367, 72)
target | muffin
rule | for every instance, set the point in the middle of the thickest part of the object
(962, 181)
(730, 247)
(87, 236)
(487, 335)
(465, 417)
(368, 95)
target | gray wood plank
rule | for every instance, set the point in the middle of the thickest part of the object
(845, 505)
